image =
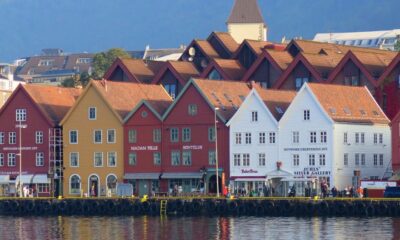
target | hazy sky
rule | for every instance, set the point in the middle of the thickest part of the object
(27, 26)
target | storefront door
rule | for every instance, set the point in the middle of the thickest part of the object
(143, 187)
(94, 186)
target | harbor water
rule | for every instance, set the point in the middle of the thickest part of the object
(145, 227)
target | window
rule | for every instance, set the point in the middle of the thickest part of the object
(92, 113)
(261, 159)
(322, 159)
(75, 185)
(97, 136)
(20, 115)
(174, 134)
(171, 89)
(375, 160)
(306, 114)
(236, 159)
(73, 137)
(380, 138)
(132, 138)
(112, 183)
(323, 137)
(1, 137)
(362, 138)
(112, 159)
(46, 62)
(296, 159)
(381, 160)
(272, 136)
(187, 158)
(357, 138)
(313, 137)
(74, 159)
(261, 138)
(111, 136)
(311, 160)
(375, 138)
(362, 159)
(192, 109)
(238, 138)
(157, 135)
(39, 159)
(248, 138)
(11, 160)
(345, 138)
(211, 134)
(214, 75)
(175, 158)
(39, 137)
(346, 159)
(357, 159)
(246, 159)
(254, 116)
(1, 159)
(98, 159)
(12, 137)
(296, 137)
(300, 81)
(157, 158)
(83, 60)
(212, 158)
(186, 135)
(132, 159)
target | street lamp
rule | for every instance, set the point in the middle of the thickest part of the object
(20, 126)
(216, 148)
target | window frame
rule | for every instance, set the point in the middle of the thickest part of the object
(94, 159)
(76, 136)
(114, 131)
(20, 115)
(95, 131)
(39, 159)
(89, 113)
(77, 159)
(39, 137)
(174, 135)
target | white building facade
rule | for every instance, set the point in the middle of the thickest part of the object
(335, 134)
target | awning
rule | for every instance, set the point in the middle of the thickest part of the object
(4, 179)
(25, 179)
(279, 173)
(40, 178)
(247, 179)
(142, 176)
(182, 175)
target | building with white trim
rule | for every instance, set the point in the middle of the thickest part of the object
(331, 131)
(253, 142)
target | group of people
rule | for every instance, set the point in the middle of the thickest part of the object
(348, 191)
(29, 192)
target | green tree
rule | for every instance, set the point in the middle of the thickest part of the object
(102, 61)
(397, 46)
(77, 80)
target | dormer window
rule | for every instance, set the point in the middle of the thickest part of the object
(214, 75)
(83, 60)
(46, 62)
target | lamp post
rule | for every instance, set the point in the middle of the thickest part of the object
(216, 149)
(20, 126)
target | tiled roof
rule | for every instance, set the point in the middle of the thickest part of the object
(245, 11)
(375, 63)
(226, 95)
(322, 63)
(282, 58)
(186, 70)
(277, 101)
(232, 68)
(123, 96)
(207, 48)
(55, 102)
(227, 40)
(257, 46)
(143, 70)
(348, 103)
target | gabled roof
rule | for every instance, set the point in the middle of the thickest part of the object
(348, 103)
(137, 70)
(275, 100)
(375, 63)
(182, 71)
(389, 69)
(279, 59)
(225, 95)
(298, 59)
(322, 63)
(53, 102)
(245, 11)
(226, 40)
(228, 68)
(257, 46)
(205, 48)
(157, 106)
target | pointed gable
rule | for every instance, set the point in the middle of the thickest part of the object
(245, 11)
(223, 43)
(228, 69)
(348, 103)
(389, 70)
(133, 70)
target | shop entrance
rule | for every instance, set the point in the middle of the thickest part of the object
(212, 184)
(143, 187)
(94, 186)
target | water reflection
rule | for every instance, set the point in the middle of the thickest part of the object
(143, 228)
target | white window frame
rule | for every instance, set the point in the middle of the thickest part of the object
(77, 159)
(89, 113)
(108, 159)
(247, 138)
(236, 159)
(39, 157)
(313, 137)
(115, 135)
(94, 159)
(2, 162)
(324, 137)
(296, 160)
(39, 136)
(69, 136)
(238, 138)
(272, 137)
(2, 137)
(80, 185)
(11, 156)
(296, 137)
(322, 159)
(129, 158)
(254, 116)
(20, 115)
(246, 159)
(94, 136)
(262, 160)
(306, 114)
(12, 138)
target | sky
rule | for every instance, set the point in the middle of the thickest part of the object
(27, 26)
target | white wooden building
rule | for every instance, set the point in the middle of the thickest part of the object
(330, 131)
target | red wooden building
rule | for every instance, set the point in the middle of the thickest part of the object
(30, 133)
(396, 142)
(189, 143)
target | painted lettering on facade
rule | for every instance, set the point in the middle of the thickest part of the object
(305, 149)
(249, 171)
(312, 171)
(17, 148)
(144, 148)
(192, 147)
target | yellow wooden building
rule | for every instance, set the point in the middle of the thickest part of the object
(93, 137)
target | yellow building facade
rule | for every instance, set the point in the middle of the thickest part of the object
(93, 146)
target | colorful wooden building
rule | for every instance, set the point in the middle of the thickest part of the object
(30, 139)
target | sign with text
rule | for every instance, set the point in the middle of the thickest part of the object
(144, 148)
(17, 148)
(249, 171)
(305, 149)
(192, 147)
(312, 171)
